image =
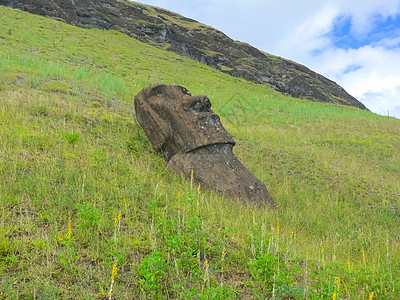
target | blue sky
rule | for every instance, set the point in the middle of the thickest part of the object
(382, 28)
(353, 42)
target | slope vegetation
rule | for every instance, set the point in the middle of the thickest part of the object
(88, 210)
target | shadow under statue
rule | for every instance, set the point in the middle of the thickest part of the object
(191, 137)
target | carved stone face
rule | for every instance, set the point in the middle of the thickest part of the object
(191, 137)
(177, 122)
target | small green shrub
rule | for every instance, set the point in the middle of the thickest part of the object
(67, 257)
(71, 137)
(89, 216)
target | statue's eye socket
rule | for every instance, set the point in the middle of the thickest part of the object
(186, 91)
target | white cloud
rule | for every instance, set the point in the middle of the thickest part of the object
(365, 11)
(383, 102)
(310, 36)
(377, 82)
(369, 73)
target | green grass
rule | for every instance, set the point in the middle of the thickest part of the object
(88, 209)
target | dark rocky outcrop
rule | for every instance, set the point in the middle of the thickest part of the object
(194, 142)
(170, 31)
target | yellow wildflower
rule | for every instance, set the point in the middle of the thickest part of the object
(347, 290)
(114, 270)
(69, 230)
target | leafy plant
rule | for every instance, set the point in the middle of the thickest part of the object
(67, 257)
(273, 275)
(89, 215)
(71, 137)
(154, 270)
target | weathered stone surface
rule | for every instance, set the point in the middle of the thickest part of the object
(222, 172)
(191, 137)
(176, 122)
(186, 37)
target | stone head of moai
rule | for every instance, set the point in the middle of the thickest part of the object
(177, 122)
(192, 139)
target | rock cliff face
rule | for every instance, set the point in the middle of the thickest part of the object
(186, 37)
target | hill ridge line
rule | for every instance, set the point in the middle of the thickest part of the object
(184, 36)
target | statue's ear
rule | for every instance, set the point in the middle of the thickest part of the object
(160, 132)
(153, 116)
(154, 124)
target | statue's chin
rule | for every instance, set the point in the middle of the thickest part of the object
(216, 168)
(215, 149)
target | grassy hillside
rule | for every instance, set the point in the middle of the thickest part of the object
(88, 210)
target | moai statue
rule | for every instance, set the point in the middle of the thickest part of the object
(192, 139)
